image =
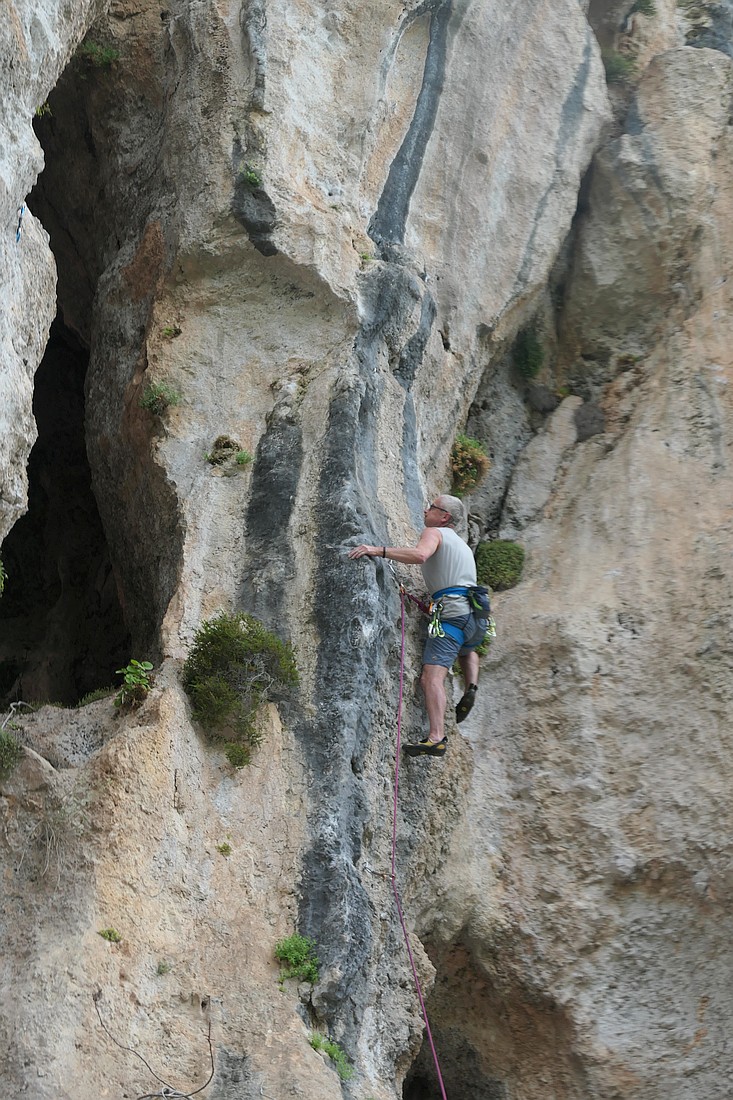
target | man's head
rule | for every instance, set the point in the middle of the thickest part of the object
(444, 511)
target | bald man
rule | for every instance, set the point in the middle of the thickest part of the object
(446, 562)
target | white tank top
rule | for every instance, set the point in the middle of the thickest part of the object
(451, 566)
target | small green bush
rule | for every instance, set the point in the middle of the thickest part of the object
(499, 563)
(98, 56)
(469, 463)
(224, 849)
(234, 665)
(528, 353)
(163, 967)
(341, 1063)
(137, 683)
(243, 458)
(299, 959)
(111, 935)
(10, 753)
(159, 396)
(171, 331)
(618, 67)
(250, 176)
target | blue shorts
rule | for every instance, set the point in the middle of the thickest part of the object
(443, 651)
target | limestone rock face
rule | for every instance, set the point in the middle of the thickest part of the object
(316, 229)
(603, 740)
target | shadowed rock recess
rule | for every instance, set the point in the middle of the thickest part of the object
(337, 236)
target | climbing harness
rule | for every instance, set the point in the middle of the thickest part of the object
(393, 876)
(19, 230)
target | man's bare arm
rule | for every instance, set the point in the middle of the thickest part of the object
(428, 543)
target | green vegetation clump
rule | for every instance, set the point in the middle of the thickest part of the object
(111, 935)
(528, 353)
(159, 396)
(499, 563)
(43, 110)
(618, 67)
(171, 331)
(469, 463)
(250, 176)
(10, 753)
(224, 849)
(644, 7)
(163, 967)
(243, 458)
(298, 956)
(137, 683)
(98, 56)
(341, 1063)
(234, 665)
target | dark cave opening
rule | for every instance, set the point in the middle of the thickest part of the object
(62, 632)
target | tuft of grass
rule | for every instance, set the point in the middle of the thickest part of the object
(619, 68)
(163, 967)
(43, 110)
(111, 935)
(298, 957)
(10, 754)
(171, 331)
(341, 1063)
(94, 696)
(224, 849)
(159, 396)
(499, 563)
(469, 464)
(243, 458)
(98, 56)
(234, 665)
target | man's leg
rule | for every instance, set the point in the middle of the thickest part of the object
(432, 682)
(469, 667)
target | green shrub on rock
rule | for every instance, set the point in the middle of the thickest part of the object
(235, 664)
(469, 463)
(499, 563)
(298, 957)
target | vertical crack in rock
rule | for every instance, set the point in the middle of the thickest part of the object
(274, 487)
(388, 223)
(354, 610)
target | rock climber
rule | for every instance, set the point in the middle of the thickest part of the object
(446, 562)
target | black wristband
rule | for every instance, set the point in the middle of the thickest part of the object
(384, 551)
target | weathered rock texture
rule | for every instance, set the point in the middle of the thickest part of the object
(323, 227)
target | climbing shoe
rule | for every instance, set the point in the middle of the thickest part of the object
(427, 748)
(465, 703)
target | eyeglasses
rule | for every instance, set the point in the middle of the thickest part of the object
(437, 508)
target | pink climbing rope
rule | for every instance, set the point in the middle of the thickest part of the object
(394, 849)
